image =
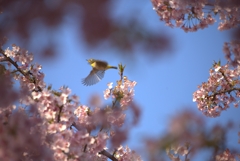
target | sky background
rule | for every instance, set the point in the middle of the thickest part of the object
(165, 84)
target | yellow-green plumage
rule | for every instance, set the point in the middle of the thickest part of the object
(97, 72)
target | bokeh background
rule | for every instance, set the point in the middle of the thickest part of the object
(167, 63)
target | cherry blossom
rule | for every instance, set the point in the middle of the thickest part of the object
(191, 15)
(225, 156)
(221, 90)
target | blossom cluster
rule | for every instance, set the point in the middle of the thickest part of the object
(126, 154)
(221, 90)
(225, 156)
(47, 124)
(30, 77)
(123, 92)
(192, 15)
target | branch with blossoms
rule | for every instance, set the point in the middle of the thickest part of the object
(221, 89)
(216, 95)
(54, 122)
(30, 73)
(194, 15)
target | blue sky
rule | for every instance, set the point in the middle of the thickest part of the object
(165, 85)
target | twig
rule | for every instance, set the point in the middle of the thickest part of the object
(107, 154)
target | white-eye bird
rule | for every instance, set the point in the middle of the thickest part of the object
(97, 73)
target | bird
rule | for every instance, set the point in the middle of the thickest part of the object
(97, 73)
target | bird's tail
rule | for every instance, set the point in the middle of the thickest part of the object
(113, 67)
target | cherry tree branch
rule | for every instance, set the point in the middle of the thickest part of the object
(13, 63)
(25, 74)
(107, 154)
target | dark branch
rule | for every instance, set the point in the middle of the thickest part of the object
(107, 154)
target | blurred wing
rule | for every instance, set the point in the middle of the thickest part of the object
(94, 77)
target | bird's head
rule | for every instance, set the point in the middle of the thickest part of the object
(90, 61)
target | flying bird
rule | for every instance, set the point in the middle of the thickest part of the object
(97, 73)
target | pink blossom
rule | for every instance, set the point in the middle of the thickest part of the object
(107, 92)
(225, 156)
(125, 154)
(218, 93)
(193, 15)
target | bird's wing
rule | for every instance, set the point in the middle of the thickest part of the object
(94, 77)
(100, 74)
